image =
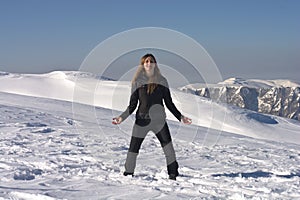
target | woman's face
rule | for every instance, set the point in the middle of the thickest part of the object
(149, 65)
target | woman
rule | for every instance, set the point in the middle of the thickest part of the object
(150, 88)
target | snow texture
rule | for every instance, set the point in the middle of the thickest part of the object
(55, 146)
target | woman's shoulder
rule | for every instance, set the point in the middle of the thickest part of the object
(138, 82)
(163, 81)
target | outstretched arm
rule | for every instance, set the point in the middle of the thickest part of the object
(132, 106)
(171, 106)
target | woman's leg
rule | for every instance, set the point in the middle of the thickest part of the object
(138, 135)
(165, 140)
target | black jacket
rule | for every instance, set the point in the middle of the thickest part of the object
(150, 105)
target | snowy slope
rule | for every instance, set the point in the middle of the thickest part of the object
(260, 83)
(85, 88)
(48, 152)
(54, 149)
(252, 83)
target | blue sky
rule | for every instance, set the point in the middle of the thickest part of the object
(245, 38)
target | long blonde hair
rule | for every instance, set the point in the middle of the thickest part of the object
(153, 80)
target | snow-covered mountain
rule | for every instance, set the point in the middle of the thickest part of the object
(57, 142)
(276, 97)
(86, 88)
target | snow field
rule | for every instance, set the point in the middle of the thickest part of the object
(51, 148)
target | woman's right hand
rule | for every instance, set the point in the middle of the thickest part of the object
(117, 120)
(186, 120)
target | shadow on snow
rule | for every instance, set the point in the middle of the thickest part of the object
(257, 174)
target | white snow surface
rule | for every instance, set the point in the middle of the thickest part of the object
(261, 83)
(57, 142)
(252, 83)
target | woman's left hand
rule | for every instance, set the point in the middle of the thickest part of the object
(186, 120)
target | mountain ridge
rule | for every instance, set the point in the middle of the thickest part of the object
(277, 97)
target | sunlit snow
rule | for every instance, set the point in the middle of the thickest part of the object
(57, 142)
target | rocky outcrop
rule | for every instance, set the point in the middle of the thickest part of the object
(257, 95)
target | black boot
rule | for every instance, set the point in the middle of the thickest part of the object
(173, 170)
(172, 177)
(128, 173)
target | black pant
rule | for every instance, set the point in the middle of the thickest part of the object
(139, 132)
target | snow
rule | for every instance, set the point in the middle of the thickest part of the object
(252, 83)
(256, 83)
(57, 145)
